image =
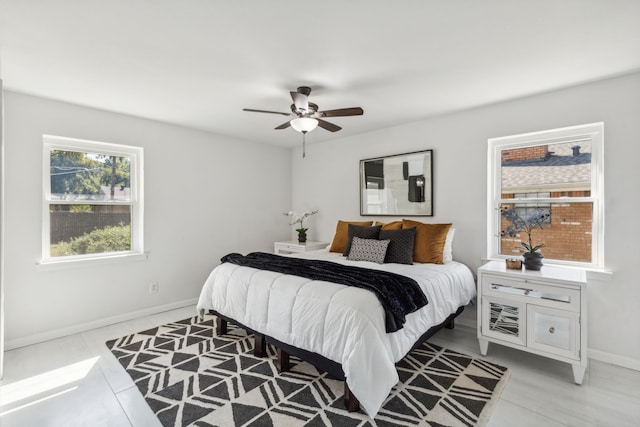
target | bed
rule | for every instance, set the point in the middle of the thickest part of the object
(343, 325)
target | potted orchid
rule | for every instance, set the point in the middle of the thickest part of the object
(299, 219)
(532, 255)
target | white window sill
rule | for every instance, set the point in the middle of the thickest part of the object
(592, 272)
(61, 264)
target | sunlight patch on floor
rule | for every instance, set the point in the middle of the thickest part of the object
(38, 388)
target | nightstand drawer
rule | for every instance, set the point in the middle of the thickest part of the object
(292, 246)
(553, 331)
(504, 320)
(565, 298)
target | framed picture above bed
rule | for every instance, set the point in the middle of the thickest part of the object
(398, 185)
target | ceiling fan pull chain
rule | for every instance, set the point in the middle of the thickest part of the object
(304, 143)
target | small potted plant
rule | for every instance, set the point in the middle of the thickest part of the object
(532, 255)
(299, 219)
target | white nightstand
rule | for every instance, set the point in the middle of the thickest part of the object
(542, 312)
(291, 246)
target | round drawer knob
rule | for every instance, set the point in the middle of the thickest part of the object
(552, 330)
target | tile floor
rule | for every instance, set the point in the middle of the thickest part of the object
(75, 381)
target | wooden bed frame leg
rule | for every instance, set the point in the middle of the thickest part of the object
(259, 345)
(350, 401)
(450, 324)
(283, 361)
(221, 326)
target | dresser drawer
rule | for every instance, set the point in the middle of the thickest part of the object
(553, 331)
(531, 292)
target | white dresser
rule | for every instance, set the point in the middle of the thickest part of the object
(292, 246)
(542, 312)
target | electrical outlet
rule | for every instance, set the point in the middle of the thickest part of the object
(153, 288)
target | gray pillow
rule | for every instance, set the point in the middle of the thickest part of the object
(368, 250)
(400, 248)
(361, 231)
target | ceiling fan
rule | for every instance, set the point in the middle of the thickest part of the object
(305, 117)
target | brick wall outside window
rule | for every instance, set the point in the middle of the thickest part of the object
(528, 153)
(568, 236)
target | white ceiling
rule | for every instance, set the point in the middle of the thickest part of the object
(197, 63)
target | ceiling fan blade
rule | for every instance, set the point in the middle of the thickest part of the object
(265, 111)
(328, 126)
(341, 112)
(284, 125)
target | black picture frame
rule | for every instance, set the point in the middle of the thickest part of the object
(397, 185)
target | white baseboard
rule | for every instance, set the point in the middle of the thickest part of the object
(601, 356)
(614, 359)
(83, 327)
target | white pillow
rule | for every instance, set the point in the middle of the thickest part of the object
(372, 250)
(447, 252)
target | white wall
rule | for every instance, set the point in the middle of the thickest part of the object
(205, 196)
(1, 231)
(327, 179)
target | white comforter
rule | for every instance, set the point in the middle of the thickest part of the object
(342, 323)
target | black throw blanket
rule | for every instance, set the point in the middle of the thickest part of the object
(399, 295)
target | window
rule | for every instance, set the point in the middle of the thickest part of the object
(92, 199)
(560, 172)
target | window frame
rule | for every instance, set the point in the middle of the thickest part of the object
(593, 132)
(136, 178)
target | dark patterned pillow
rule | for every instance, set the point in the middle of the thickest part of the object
(361, 231)
(368, 250)
(400, 249)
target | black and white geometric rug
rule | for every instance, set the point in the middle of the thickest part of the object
(189, 376)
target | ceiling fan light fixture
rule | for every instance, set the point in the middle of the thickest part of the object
(304, 124)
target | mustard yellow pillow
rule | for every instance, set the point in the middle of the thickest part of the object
(430, 240)
(395, 225)
(341, 237)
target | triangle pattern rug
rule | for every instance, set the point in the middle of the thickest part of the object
(190, 376)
